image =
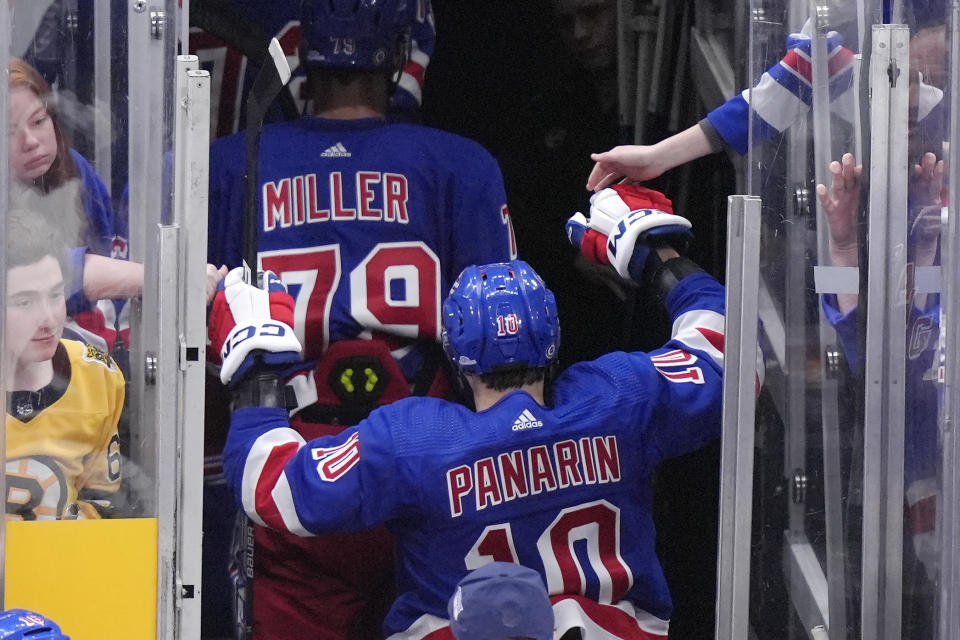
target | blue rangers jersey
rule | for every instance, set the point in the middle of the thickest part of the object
(564, 489)
(368, 223)
(923, 379)
(99, 233)
(93, 321)
(784, 95)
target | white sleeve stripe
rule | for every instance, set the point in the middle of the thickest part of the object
(920, 489)
(418, 56)
(283, 500)
(685, 330)
(409, 84)
(774, 103)
(421, 628)
(797, 74)
(304, 389)
(569, 614)
(256, 459)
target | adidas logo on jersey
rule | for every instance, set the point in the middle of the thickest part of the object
(526, 420)
(336, 151)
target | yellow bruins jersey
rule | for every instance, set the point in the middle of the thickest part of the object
(63, 450)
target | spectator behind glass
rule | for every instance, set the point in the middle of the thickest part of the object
(64, 398)
(501, 601)
(40, 154)
(41, 160)
(780, 101)
(587, 27)
(922, 366)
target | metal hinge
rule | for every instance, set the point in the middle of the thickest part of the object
(158, 23)
(832, 360)
(893, 73)
(799, 486)
(150, 368)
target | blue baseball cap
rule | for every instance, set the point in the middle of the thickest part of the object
(501, 600)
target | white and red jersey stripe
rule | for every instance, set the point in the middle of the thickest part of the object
(595, 621)
(266, 491)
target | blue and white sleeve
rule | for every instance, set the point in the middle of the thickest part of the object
(406, 100)
(334, 483)
(783, 94)
(686, 374)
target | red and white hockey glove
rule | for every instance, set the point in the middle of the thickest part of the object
(625, 221)
(252, 326)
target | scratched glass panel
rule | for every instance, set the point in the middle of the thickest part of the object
(806, 113)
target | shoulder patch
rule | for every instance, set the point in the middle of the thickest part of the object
(92, 354)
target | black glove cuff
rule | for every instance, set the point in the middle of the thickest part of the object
(640, 272)
(266, 389)
(662, 276)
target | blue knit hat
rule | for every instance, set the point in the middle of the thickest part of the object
(501, 600)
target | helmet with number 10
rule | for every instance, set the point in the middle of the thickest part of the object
(21, 624)
(370, 35)
(498, 315)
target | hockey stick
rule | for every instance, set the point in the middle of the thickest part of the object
(270, 81)
(273, 77)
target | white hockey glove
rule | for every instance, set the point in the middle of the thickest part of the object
(252, 326)
(625, 222)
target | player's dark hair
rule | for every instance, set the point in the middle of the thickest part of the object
(30, 238)
(324, 83)
(513, 376)
(325, 87)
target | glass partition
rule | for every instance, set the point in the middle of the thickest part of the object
(95, 342)
(848, 132)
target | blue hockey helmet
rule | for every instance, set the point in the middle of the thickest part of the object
(500, 314)
(21, 624)
(355, 34)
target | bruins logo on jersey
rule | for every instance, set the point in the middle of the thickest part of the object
(36, 489)
(92, 354)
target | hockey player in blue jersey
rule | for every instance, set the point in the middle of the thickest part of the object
(368, 222)
(551, 474)
(229, 35)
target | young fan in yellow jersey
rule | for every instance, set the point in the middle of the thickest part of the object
(64, 398)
